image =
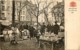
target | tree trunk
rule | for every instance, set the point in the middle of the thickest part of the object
(19, 16)
(13, 13)
(31, 19)
(37, 22)
(47, 21)
(19, 13)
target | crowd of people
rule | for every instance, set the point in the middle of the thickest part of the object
(28, 31)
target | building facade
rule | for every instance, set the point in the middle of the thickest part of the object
(21, 13)
(6, 9)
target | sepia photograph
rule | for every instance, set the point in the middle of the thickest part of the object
(32, 25)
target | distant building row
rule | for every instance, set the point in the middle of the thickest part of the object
(6, 10)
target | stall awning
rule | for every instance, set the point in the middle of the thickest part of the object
(5, 22)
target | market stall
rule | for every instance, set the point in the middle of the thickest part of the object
(4, 24)
(50, 39)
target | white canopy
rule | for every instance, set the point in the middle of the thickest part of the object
(5, 22)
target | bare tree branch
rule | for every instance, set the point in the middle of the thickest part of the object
(42, 11)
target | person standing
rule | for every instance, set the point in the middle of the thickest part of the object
(5, 33)
(14, 39)
(42, 30)
(10, 33)
(56, 28)
(31, 29)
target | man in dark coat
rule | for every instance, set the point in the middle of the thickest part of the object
(42, 30)
(56, 28)
(49, 27)
(31, 29)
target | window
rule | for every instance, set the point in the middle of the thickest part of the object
(8, 7)
(3, 15)
(2, 1)
(3, 8)
(23, 12)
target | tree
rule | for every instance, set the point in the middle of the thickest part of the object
(46, 13)
(30, 15)
(58, 11)
(19, 7)
(35, 10)
(0, 9)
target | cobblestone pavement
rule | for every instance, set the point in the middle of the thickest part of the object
(22, 45)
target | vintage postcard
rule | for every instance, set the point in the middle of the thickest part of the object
(39, 24)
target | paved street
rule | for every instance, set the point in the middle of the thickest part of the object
(22, 45)
(25, 44)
